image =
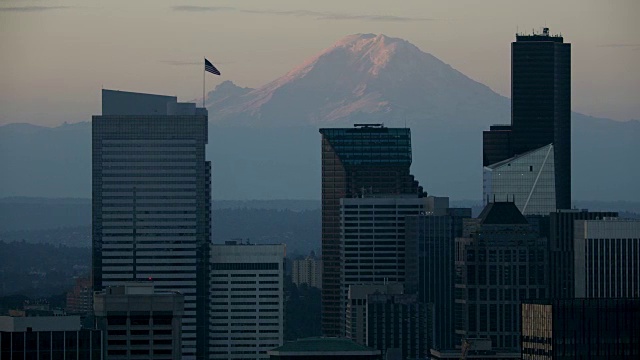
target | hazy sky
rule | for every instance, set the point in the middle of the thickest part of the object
(56, 55)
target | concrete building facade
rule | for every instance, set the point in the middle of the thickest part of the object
(607, 258)
(307, 271)
(139, 322)
(247, 300)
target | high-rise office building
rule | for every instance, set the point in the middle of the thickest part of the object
(607, 258)
(430, 259)
(565, 329)
(151, 189)
(500, 261)
(561, 249)
(247, 300)
(139, 322)
(540, 108)
(366, 159)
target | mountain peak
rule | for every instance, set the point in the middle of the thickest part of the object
(370, 76)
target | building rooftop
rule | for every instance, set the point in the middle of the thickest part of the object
(547, 148)
(39, 323)
(502, 213)
(323, 345)
(545, 36)
(123, 103)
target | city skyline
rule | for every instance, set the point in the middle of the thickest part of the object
(37, 58)
(192, 245)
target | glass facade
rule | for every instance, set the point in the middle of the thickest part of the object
(82, 345)
(398, 322)
(368, 159)
(430, 258)
(527, 179)
(541, 103)
(540, 110)
(581, 329)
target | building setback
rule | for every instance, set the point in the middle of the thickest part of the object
(247, 300)
(139, 322)
(151, 202)
(607, 258)
(369, 159)
(586, 329)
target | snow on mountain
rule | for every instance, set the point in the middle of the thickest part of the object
(362, 76)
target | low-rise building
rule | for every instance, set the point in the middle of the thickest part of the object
(318, 348)
(48, 337)
(139, 322)
(246, 300)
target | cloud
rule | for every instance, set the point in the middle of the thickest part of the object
(633, 47)
(191, 8)
(33, 8)
(324, 15)
(318, 15)
(620, 45)
(189, 63)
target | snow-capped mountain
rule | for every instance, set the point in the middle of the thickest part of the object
(362, 76)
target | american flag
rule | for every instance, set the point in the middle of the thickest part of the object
(208, 66)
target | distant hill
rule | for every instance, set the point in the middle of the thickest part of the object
(265, 145)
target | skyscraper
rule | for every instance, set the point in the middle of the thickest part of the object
(540, 108)
(368, 158)
(500, 261)
(151, 202)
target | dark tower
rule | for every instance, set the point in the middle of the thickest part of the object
(366, 159)
(541, 103)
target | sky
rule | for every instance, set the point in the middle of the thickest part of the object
(55, 56)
